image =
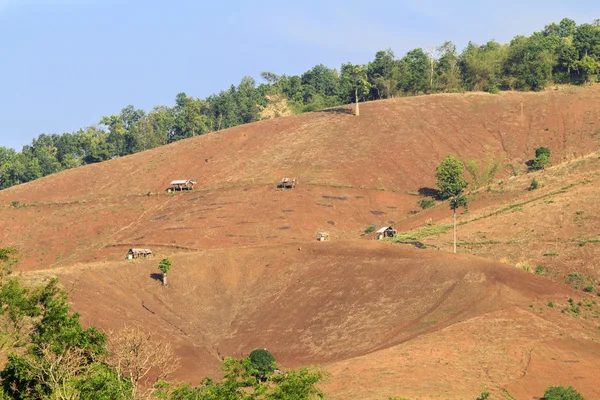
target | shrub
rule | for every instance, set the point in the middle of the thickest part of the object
(542, 158)
(14, 203)
(542, 151)
(426, 203)
(561, 393)
(534, 184)
(370, 229)
(484, 395)
(540, 270)
(588, 288)
(263, 361)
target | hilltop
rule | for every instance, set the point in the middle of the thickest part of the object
(247, 272)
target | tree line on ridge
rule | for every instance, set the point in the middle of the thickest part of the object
(562, 53)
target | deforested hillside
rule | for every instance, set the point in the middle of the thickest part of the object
(353, 171)
(385, 319)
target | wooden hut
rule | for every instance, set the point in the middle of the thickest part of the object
(181, 184)
(322, 236)
(288, 183)
(386, 231)
(138, 253)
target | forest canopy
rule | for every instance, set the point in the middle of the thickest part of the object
(562, 53)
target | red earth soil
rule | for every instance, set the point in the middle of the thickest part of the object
(383, 319)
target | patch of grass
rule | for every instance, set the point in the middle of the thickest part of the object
(550, 304)
(579, 212)
(540, 270)
(534, 184)
(485, 243)
(521, 204)
(424, 232)
(370, 229)
(426, 203)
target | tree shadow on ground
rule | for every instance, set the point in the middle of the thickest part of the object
(156, 276)
(429, 192)
(337, 110)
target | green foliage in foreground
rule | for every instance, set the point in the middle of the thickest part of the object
(263, 361)
(240, 382)
(561, 393)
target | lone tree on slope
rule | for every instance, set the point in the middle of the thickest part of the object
(164, 266)
(451, 182)
(354, 78)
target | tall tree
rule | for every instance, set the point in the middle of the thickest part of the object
(354, 78)
(448, 72)
(451, 183)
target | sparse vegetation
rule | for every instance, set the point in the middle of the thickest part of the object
(541, 160)
(426, 203)
(482, 175)
(370, 229)
(534, 184)
(540, 270)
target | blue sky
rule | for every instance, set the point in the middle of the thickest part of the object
(66, 63)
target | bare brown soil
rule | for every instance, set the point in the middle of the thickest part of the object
(383, 319)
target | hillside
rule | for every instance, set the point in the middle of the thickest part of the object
(384, 319)
(353, 172)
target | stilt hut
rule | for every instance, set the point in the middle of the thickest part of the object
(288, 183)
(181, 184)
(138, 253)
(385, 232)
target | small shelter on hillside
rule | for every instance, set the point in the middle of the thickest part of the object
(322, 236)
(288, 183)
(181, 184)
(386, 231)
(138, 253)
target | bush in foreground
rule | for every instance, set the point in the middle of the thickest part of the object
(561, 393)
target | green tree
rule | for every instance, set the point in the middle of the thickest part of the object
(448, 73)
(354, 79)
(164, 266)
(415, 77)
(384, 74)
(542, 158)
(451, 183)
(482, 66)
(263, 361)
(590, 67)
(561, 393)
